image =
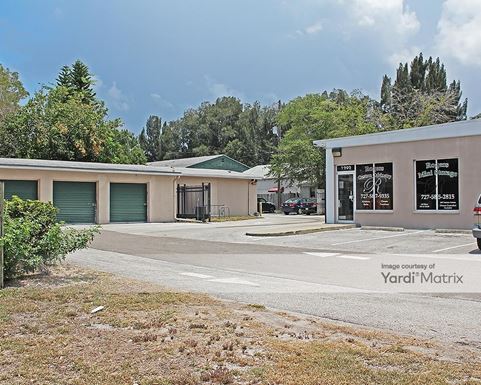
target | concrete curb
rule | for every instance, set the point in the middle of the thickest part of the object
(382, 228)
(453, 231)
(300, 231)
(187, 220)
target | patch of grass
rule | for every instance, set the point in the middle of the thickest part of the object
(148, 336)
(256, 306)
(218, 376)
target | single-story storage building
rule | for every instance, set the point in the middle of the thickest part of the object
(103, 193)
(426, 177)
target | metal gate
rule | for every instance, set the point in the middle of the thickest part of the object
(194, 201)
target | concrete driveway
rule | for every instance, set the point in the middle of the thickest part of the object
(335, 275)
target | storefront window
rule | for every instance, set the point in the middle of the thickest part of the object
(383, 186)
(374, 186)
(437, 184)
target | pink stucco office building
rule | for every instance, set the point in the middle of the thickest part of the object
(426, 177)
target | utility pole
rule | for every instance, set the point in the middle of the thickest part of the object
(1, 234)
(279, 134)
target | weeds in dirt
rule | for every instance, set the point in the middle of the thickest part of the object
(150, 336)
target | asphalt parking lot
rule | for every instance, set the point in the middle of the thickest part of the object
(347, 240)
(336, 275)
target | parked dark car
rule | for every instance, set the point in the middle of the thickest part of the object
(477, 226)
(267, 207)
(293, 205)
(309, 206)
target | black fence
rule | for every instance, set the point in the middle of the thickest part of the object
(194, 202)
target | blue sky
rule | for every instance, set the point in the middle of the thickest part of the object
(161, 57)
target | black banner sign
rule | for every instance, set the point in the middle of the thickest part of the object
(383, 186)
(426, 185)
(364, 186)
(448, 194)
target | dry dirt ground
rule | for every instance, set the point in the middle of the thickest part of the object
(148, 335)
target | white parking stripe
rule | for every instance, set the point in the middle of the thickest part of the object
(353, 257)
(236, 281)
(321, 255)
(374, 239)
(196, 275)
(453, 247)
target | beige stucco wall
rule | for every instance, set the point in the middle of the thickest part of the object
(403, 155)
(160, 196)
(239, 195)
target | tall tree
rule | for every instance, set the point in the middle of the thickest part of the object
(78, 79)
(150, 138)
(11, 92)
(421, 95)
(67, 122)
(318, 116)
(386, 94)
(64, 78)
(242, 131)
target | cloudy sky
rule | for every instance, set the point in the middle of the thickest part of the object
(161, 57)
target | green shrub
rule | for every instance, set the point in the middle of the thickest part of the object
(34, 240)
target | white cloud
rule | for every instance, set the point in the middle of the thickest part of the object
(459, 31)
(391, 14)
(218, 89)
(405, 55)
(161, 101)
(314, 28)
(309, 30)
(118, 99)
(98, 83)
(393, 22)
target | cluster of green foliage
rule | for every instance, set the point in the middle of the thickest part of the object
(319, 116)
(33, 240)
(67, 122)
(421, 95)
(11, 92)
(78, 80)
(150, 138)
(242, 131)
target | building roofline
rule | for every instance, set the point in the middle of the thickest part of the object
(192, 162)
(218, 156)
(60, 165)
(438, 131)
(91, 167)
(212, 173)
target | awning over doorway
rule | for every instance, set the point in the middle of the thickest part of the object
(276, 189)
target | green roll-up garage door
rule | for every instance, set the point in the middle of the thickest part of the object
(128, 202)
(76, 201)
(24, 189)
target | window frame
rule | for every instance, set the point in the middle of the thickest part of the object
(374, 210)
(436, 210)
